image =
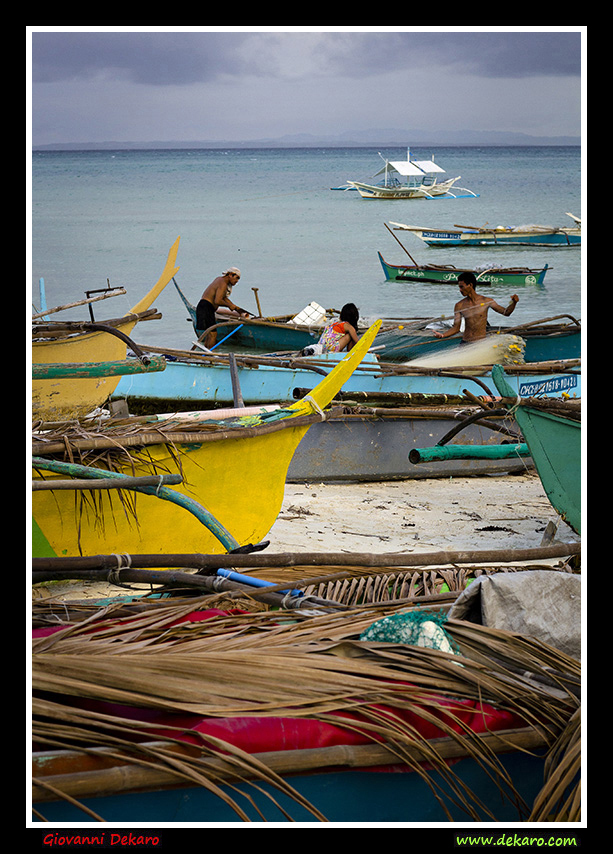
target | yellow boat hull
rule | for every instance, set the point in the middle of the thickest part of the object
(240, 481)
(60, 399)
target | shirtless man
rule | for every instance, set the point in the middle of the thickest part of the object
(217, 293)
(474, 308)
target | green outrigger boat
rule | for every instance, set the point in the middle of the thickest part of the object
(552, 431)
(447, 274)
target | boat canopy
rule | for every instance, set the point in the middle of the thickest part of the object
(428, 166)
(410, 168)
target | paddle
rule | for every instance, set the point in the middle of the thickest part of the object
(255, 291)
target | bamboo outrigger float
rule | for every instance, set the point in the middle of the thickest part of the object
(63, 386)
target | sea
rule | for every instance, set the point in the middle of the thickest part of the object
(111, 216)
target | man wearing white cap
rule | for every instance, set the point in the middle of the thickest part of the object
(217, 294)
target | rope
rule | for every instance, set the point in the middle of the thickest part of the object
(124, 561)
(315, 406)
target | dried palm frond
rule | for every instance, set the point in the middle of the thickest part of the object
(290, 665)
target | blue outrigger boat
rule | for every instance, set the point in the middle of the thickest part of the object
(547, 339)
(521, 235)
(402, 339)
(269, 334)
(200, 381)
(395, 750)
(339, 796)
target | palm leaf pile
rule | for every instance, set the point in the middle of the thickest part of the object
(286, 664)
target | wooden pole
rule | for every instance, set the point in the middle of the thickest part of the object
(257, 299)
(401, 244)
(88, 775)
(112, 293)
(236, 386)
(277, 595)
(107, 483)
(306, 559)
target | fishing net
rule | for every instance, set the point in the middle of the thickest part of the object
(416, 628)
(495, 349)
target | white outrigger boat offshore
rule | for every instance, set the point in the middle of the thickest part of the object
(421, 182)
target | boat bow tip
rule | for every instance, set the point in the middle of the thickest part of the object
(170, 270)
(323, 393)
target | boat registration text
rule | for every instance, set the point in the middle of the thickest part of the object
(552, 385)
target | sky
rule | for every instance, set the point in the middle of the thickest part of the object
(187, 84)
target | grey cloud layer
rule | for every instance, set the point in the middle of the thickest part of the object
(160, 59)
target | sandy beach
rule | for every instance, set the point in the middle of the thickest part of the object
(413, 516)
(509, 511)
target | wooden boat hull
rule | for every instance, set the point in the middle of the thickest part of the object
(419, 191)
(199, 384)
(342, 796)
(376, 448)
(555, 447)
(257, 333)
(56, 399)
(480, 237)
(268, 335)
(449, 275)
(239, 480)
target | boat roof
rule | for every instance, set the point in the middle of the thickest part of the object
(411, 167)
(428, 166)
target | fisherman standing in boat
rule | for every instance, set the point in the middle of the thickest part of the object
(216, 295)
(473, 309)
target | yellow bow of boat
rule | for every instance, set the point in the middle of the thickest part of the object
(236, 472)
(57, 398)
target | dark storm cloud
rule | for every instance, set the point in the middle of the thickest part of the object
(167, 58)
(156, 59)
(493, 54)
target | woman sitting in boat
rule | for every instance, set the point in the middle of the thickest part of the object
(341, 334)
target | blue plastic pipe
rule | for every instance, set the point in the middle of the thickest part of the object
(254, 582)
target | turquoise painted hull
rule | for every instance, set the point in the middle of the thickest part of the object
(477, 238)
(555, 448)
(257, 334)
(200, 385)
(356, 796)
(275, 336)
(269, 337)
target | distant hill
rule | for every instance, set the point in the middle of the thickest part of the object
(390, 137)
